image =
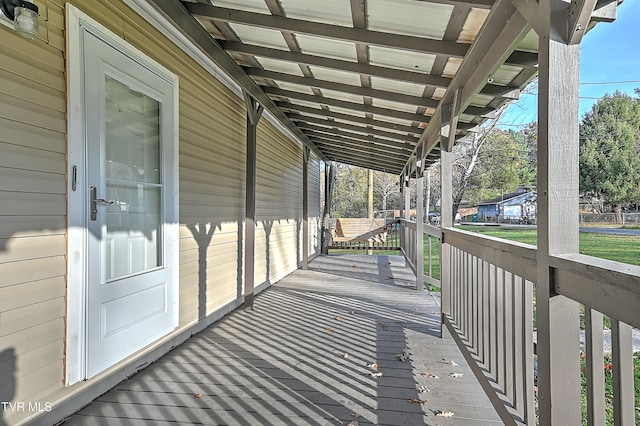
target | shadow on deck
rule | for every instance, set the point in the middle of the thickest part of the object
(304, 356)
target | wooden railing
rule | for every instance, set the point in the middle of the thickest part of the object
(489, 310)
(409, 247)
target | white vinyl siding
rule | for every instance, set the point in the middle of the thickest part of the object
(32, 217)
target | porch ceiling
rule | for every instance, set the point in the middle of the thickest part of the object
(364, 82)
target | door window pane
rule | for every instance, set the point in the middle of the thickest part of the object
(133, 237)
(132, 132)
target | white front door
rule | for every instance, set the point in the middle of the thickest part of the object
(130, 254)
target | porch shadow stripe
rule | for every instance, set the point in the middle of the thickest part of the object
(279, 365)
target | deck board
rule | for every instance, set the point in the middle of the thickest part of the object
(300, 357)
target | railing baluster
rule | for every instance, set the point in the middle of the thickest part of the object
(527, 343)
(493, 321)
(500, 341)
(594, 366)
(508, 334)
(517, 347)
(475, 318)
(622, 360)
(486, 342)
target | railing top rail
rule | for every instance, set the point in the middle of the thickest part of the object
(518, 258)
(526, 251)
(428, 229)
(607, 286)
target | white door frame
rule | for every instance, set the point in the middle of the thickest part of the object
(76, 316)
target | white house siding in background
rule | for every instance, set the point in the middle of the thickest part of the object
(34, 184)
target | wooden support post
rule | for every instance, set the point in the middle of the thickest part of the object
(305, 207)
(370, 204)
(420, 226)
(328, 187)
(557, 317)
(254, 111)
(446, 220)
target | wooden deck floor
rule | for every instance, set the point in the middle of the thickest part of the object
(304, 356)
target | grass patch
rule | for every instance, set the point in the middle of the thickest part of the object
(608, 389)
(621, 248)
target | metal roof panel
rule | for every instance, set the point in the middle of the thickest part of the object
(335, 12)
(409, 17)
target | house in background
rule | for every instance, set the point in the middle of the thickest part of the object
(516, 207)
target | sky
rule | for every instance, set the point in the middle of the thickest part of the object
(609, 54)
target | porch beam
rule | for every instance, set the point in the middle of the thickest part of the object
(507, 92)
(580, 13)
(340, 153)
(346, 88)
(359, 108)
(254, 112)
(392, 139)
(336, 32)
(558, 149)
(364, 148)
(333, 124)
(355, 137)
(354, 106)
(296, 115)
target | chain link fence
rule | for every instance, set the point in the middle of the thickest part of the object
(610, 218)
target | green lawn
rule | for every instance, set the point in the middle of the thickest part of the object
(622, 248)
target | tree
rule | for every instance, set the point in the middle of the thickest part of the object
(350, 192)
(610, 150)
(384, 186)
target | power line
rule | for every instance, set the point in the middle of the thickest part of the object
(609, 82)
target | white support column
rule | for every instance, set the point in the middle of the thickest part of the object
(557, 317)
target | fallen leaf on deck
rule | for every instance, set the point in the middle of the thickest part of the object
(444, 414)
(384, 325)
(374, 366)
(376, 375)
(346, 355)
(338, 318)
(197, 395)
(423, 389)
(353, 266)
(329, 330)
(352, 312)
(429, 375)
(418, 401)
(435, 312)
(454, 363)
(356, 415)
(353, 423)
(456, 374)
(403, 356)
